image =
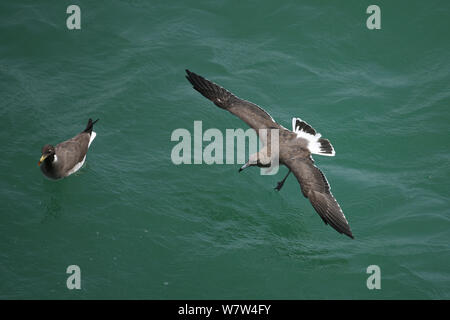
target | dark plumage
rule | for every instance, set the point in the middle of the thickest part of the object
(67, 157)
(295, 148)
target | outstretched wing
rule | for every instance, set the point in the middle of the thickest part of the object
(250, 113)
(315, 187)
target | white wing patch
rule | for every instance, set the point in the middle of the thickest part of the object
(93, 135)
(76, 167)
(315, 144)
(80, 164)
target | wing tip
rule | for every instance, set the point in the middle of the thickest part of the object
(343, 230)
(188, 73)
(329, 210)
(210, 90)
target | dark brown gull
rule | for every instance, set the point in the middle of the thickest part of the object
(295, 150)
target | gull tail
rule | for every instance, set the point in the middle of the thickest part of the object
(316, 144)
(324, 148)
(220, 96)
(90, 126)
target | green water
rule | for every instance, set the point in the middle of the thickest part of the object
(140, 227)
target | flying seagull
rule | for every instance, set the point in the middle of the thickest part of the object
(295, 149)
(68, 156)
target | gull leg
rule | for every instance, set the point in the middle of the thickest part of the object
(281, 183)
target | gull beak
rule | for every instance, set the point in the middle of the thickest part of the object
(244, 166)
(41, 160)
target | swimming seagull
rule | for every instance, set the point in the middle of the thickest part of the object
(68, 156)
(295, 149)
